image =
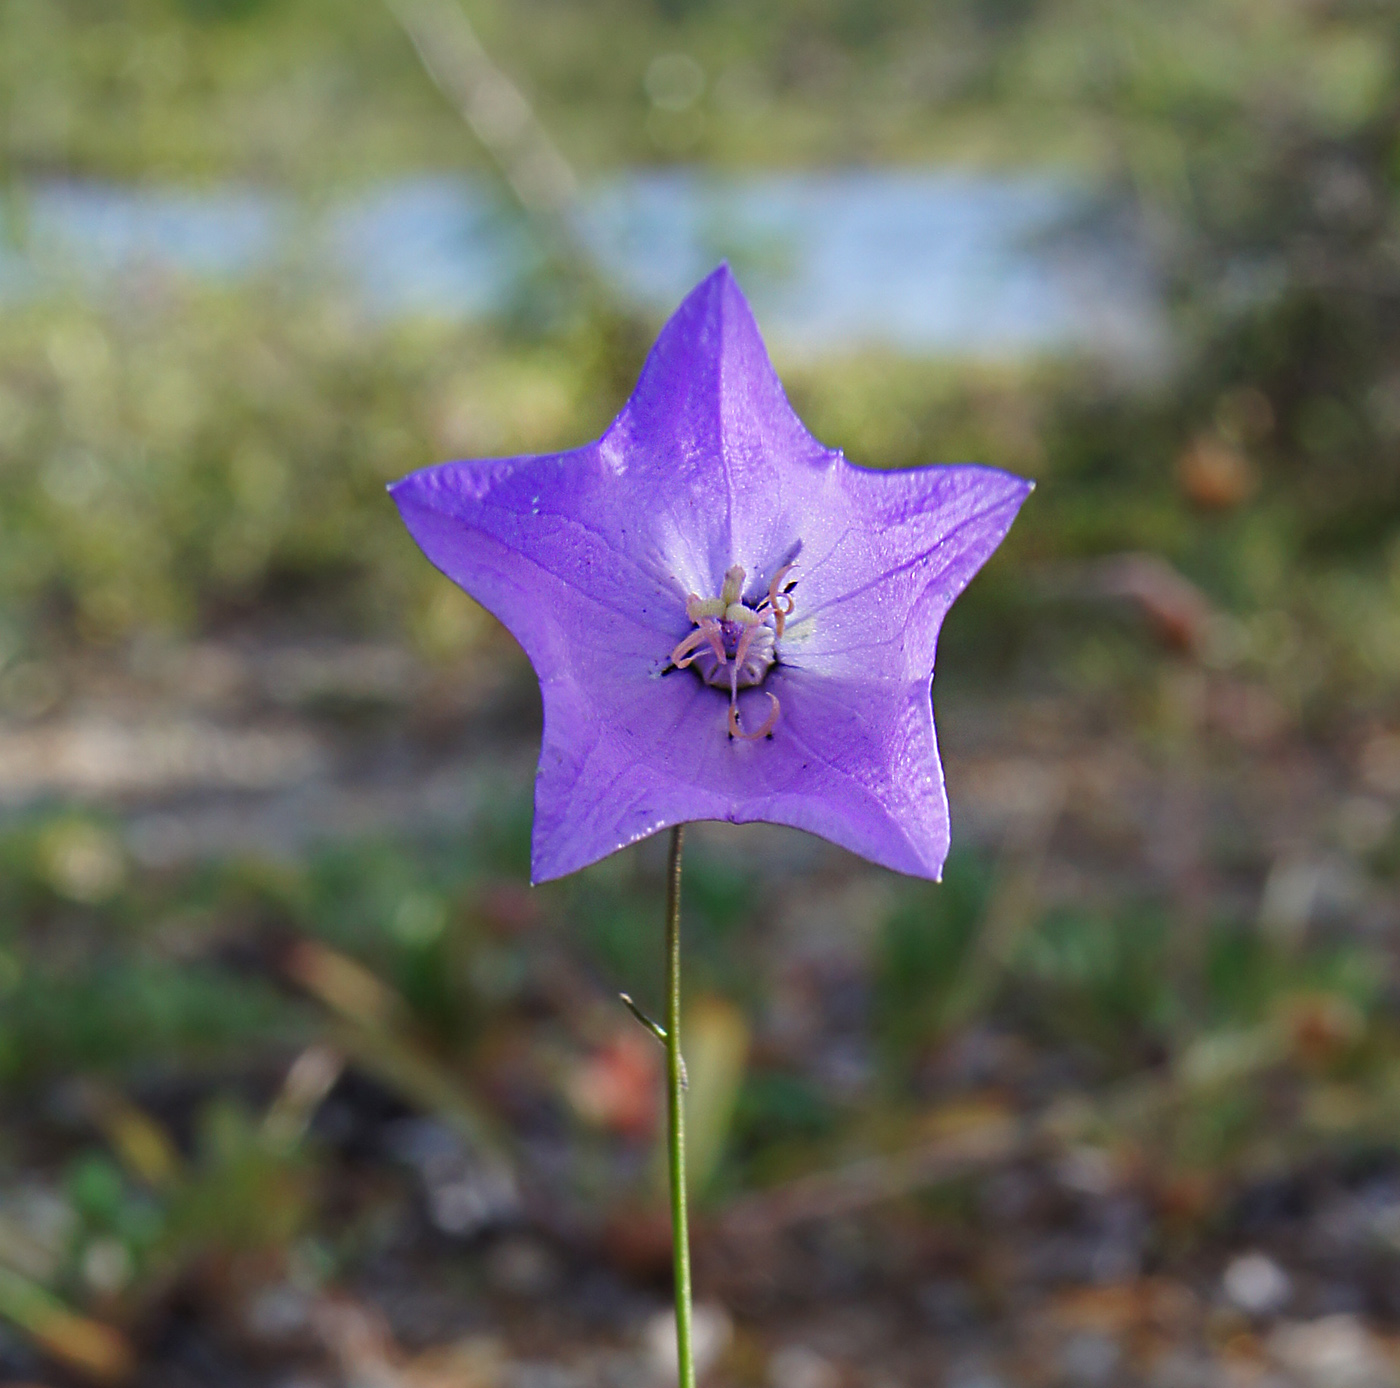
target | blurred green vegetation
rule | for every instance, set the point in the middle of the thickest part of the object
(311, 91)
(190, 452)
(426, 962)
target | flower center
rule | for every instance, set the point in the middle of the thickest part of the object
(734, 645)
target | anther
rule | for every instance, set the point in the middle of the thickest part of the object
(714, 633)
(698, 608)
(689, 647)
(685, 649)
(741, 638)
(779, 601)
(767, 726)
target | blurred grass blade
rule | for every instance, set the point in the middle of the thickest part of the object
(311, 1077)
(344, 985)
(143, 1146)
(90, 1348)
(717, 1051)
(1012, 908)
(494, 108)
(370, 1013)
(963, 1137)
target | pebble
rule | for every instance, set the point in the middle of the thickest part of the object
(523, 1266)
(465, 1190)
(1090, 1360)
(1257, 1285)
(796, 1366)
(1333, 1352)
(277, 1313)
(972, 1373)
(711, 1330)
(947, 1305)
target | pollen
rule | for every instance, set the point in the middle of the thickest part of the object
(734, 644)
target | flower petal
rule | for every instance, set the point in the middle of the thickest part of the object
(916, 538)
(709, 448)
(854, 761)
(534, 540)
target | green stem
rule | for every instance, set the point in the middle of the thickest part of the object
(675, 1111)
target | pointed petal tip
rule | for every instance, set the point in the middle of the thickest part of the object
(552, 863)
(428, 486)
(718, 291)
(928, 866)
(1017, 483)
(405, 486)
(1012, 486)
(548, 863)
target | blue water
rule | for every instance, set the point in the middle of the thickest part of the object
(918, 261)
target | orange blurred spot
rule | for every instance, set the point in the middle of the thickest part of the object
(1215, 476)
(617, 1086)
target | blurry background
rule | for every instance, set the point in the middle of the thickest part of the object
(303, 1086)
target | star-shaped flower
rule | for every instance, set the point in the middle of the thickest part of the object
(728, 620)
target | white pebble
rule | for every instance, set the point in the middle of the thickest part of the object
(796, 1366)
(1257, 1285)
(710, 1333)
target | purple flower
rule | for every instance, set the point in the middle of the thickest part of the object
(728, 620)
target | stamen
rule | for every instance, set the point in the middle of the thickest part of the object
(697, 607)
(745, 641)
(776, 599)
(685, 649)
(689, 647)
(762, 731)
(714, 633)
(741, 637)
